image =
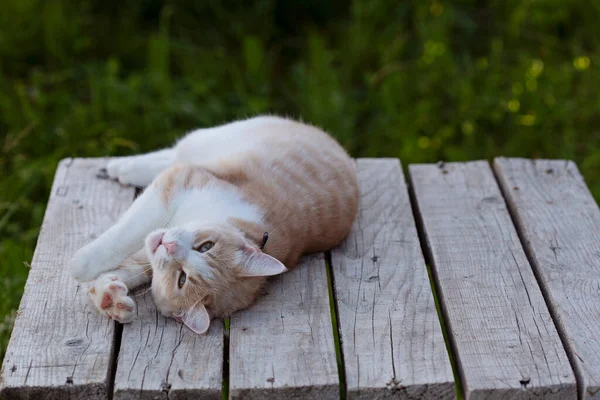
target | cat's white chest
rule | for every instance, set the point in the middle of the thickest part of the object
(212, 205)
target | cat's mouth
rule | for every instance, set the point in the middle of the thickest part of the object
(156, 241)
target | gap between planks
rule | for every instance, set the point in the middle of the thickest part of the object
(114, 358)
(225, 382)
(335, 323)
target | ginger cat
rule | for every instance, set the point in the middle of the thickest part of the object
(198, 230)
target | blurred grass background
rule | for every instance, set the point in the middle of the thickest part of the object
(421, 80)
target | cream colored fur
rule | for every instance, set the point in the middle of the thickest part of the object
(222, 187)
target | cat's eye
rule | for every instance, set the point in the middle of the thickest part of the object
(204, 247)
(182, 279)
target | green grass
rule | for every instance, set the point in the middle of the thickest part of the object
(418, 80)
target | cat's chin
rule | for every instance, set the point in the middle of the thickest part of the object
(160, 260)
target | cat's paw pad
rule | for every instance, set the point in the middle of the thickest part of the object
(130, 171)
(109, 295)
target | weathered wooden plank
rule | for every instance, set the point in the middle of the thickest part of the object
(391, 336)
(283, 347)
(61, 347)
(504, 340)
(160, 358)
(560, 224)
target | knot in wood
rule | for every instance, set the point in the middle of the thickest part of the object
(165, 387)
(393, 384)
(102, 174)
(73, 342)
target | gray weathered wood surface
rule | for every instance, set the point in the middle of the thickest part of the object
(161, 358)
(391, 336)
(505, 342)
(560, 223)
(61, 347)
(282, 347)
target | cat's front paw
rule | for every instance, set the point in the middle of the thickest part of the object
(130, 171)
(86, 264)
(109, 295)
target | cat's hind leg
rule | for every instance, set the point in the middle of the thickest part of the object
(109, 292)
(142, 169)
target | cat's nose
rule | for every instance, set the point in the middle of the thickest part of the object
(171, 247)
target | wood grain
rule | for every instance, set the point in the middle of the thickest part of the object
(391, 336)
(560, 224)
(60, 346)
(283, 347)
(504, 339)
(160, 358)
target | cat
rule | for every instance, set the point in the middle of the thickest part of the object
(223, 209)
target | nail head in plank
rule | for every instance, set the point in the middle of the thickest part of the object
(503, 336)
(392, 340)
(162, 358)
(60, 345)
(559, 222)
(282, 347)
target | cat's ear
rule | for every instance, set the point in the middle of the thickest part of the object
(257, 263)
(196, 318)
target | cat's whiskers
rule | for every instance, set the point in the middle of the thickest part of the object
(161, 264)
(135, 266)
(138, 294)
(135, 276)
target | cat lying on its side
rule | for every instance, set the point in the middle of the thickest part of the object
(198, 230)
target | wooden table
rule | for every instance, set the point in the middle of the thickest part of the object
(511, 252)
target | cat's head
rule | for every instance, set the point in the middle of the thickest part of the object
(203, 273)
